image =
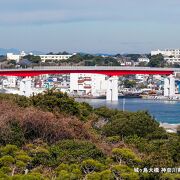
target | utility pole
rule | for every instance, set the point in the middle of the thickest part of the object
(124, 101)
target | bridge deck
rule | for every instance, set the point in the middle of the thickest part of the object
(106, 70)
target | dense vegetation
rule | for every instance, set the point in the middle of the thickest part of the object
(33, 59)
(157, 61)
(51, 136)
(81, 59)
(92, 60)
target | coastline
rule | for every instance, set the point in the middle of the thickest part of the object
(162, 98)
(171, 128)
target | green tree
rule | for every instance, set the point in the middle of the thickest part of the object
(93, 176)
(33, 59)
(60, 102)
(16, 136)
(125, 155)
(124, 172)
(157, 61)
(128, 124)
(91, 165)
(73, 151)
(73, 171)
(168, 176)
(133, 57)
(106, 175)
(129, 83)
(76, 58)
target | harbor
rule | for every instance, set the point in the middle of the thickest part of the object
(163, 111)
(162, 98)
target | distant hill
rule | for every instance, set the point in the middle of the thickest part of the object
(37, 52)
(4, 51)
(105, 55)
(11, 50)
(96, 54)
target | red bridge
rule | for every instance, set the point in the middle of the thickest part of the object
(106, 70)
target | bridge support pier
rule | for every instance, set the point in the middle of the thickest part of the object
(169, 86)
(166, 87)
(112, 89)
(25, 87)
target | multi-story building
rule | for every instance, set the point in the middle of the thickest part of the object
(44, 58)
(15, 57)
(143, 60)
(88, 84)
(167, 52)
(172, 60)
(53, 57)
(172, 56)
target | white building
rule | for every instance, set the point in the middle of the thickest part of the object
(170, 55)
(53, 57)
(169, 86)
(141, 77)
(10, 82)
(172, 60)
(44, 58)
(88, 84)
(167, 52)
(16, 57)
(145, 60)
(25, 88)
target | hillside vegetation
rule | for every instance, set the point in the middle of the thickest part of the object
(51, 136)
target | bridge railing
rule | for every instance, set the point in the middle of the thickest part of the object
(110, 68)
(102, 68)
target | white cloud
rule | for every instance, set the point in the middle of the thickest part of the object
(15, 12)
(56, 16)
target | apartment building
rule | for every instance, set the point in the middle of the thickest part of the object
(53, 57)
(167, 52)
(172, 56)
(15, 57)
(44, 58)
(88, 84)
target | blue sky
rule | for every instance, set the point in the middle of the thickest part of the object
(94, 26)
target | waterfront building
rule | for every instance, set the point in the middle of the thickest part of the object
(88, 84)
(169, 86)
(25, 88)
(9, 82)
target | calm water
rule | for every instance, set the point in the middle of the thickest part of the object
(163, 111)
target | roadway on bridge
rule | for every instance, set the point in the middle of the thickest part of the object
(106, 70)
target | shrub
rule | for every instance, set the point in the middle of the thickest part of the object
(91, 165)
(128, 124)
(18, 125)
(3, 176)
(124, 172)
(7, 160)
(125, 155)
(75, 151)
(9, 150)
(113, 139)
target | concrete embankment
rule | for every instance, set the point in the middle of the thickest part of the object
(171, 128)
(175, 98)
